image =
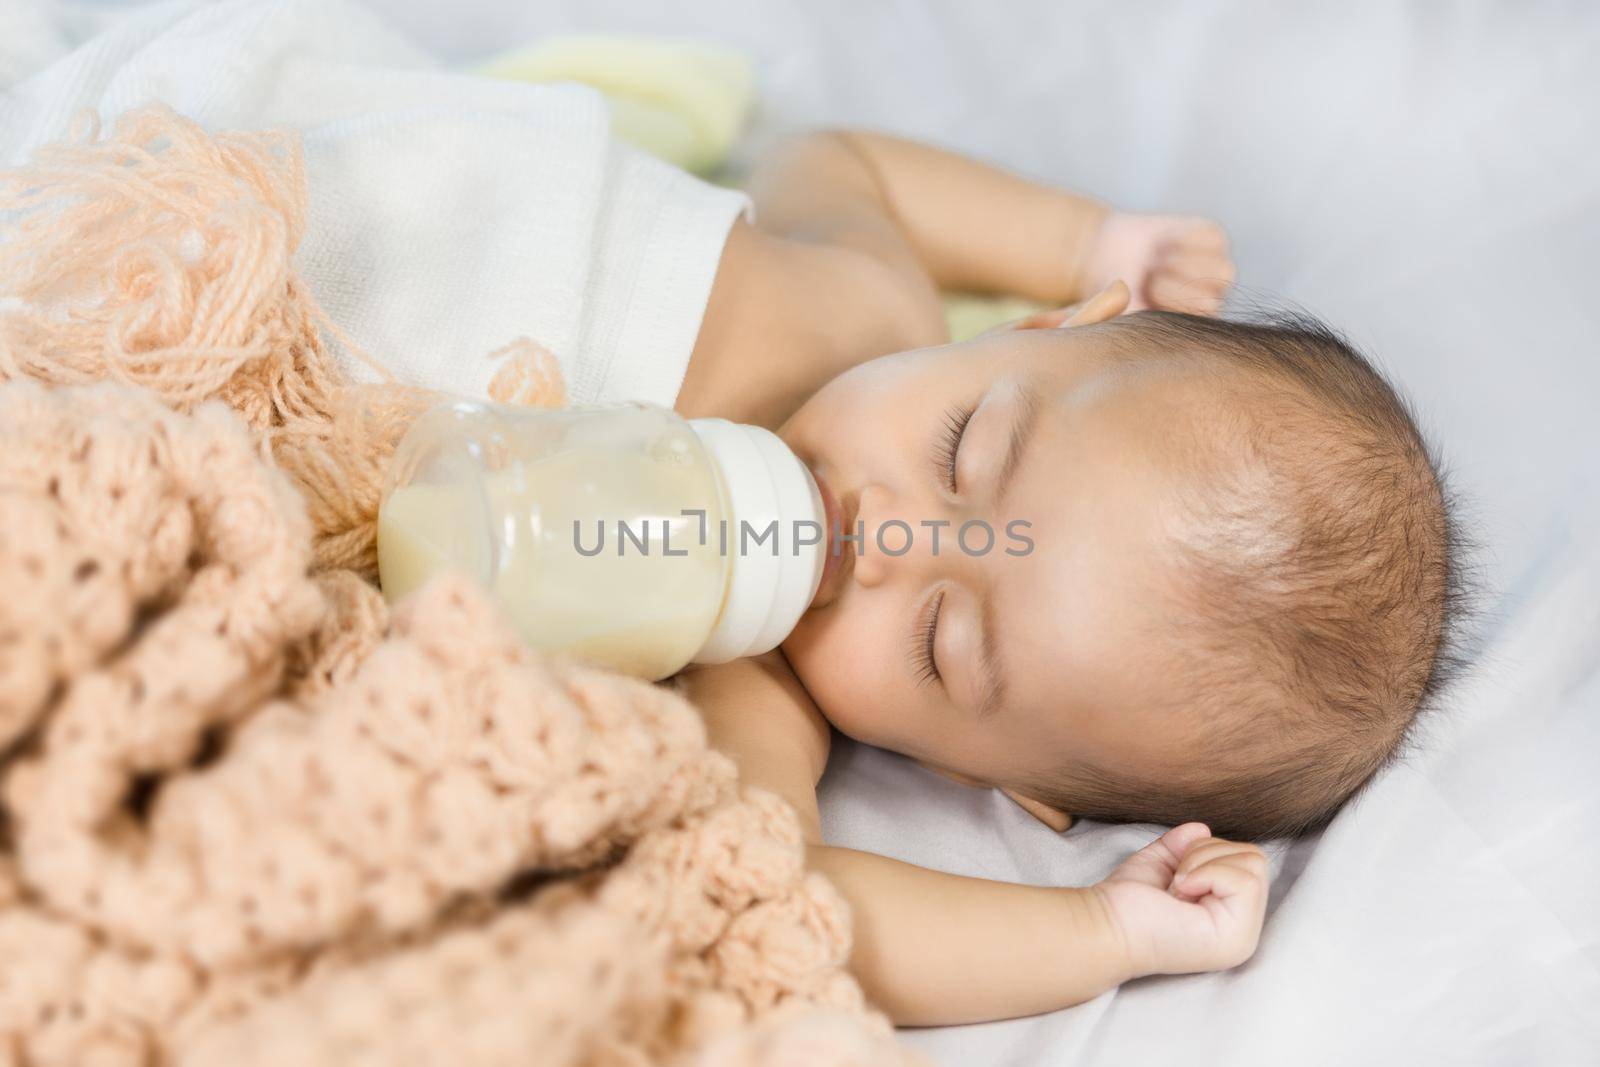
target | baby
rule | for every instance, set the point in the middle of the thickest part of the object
(1223, 596)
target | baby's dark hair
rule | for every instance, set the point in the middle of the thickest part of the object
(1324, 589)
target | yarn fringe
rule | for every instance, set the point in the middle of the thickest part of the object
(158, 255)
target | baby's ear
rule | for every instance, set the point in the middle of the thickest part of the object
(1055, 818)
(955, 776)
(1108, 303)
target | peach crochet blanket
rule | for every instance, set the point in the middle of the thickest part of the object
(246, 815)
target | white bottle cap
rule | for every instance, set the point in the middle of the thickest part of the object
(772, 577)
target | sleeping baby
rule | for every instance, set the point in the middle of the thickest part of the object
(1234, 596)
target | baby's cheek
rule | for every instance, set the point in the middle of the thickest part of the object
(842, 668)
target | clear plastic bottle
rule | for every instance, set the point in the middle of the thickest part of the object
(626, 535)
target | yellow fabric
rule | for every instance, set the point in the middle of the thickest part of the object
(969, 314)
(684, 101)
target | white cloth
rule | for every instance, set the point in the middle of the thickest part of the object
(449, 214)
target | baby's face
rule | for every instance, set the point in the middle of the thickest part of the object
(1001, 665)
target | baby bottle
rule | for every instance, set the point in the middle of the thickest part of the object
(627, 535)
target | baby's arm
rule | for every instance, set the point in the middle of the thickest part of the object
(857, 233)
(934, 948)
(973, 227)
(967, 225)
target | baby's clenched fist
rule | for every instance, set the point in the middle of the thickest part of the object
(1188, 902)
(1170, 262)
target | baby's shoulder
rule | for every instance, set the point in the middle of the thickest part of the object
(757, 704)
(786, 315)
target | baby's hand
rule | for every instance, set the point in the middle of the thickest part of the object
(1170, 262)
(1188, 902)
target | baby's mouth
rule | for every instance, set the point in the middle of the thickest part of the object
(839, 554)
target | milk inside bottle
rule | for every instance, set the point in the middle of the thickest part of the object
(627, 536)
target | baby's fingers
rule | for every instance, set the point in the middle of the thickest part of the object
(1193, 283)
(1209, 866)
(1194, 234)
(1156, 862)
(1205, 849)
(1169, 292)
(1214, 270)
(1235, 897)
(1229, 878)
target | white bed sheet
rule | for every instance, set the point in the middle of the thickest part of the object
(1426, 177)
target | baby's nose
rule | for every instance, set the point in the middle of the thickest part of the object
(889, 536)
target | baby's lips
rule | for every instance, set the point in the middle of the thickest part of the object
(837, 553)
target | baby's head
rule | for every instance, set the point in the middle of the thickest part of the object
(1220, 584)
